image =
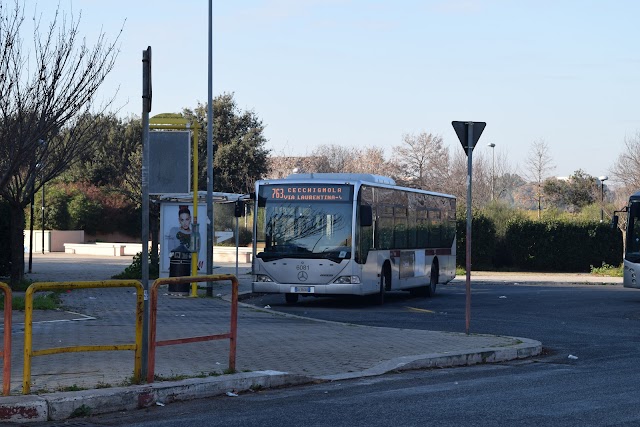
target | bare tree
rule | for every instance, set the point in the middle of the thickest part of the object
(424, 161)
(336, 159)
(481, 183)
(626, 173)
(331, 158)
(539, 165)
(626, 169)
(46, 102)
(371, 160)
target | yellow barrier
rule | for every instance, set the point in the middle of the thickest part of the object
(52, 286)
(6, 350)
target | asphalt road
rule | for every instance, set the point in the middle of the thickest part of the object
(596, 325)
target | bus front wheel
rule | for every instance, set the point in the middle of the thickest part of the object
(385, 283)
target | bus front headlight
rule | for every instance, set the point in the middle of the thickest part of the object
(347, 280)
(263, 278)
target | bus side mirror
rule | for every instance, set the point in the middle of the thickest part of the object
(366, 216)
(614, 222)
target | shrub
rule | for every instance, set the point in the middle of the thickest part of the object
(483, 241)
(134, 271)
(562, 246)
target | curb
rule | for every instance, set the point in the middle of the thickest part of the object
(64, 405)
(527, 348)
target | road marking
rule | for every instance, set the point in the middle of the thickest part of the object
(421, 310)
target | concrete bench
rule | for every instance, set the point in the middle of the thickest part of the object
(107, 249)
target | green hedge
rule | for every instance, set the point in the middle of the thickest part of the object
(538, 245)
(561, 246)
(483, 242)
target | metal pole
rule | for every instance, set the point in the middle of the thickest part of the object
(146, 107)
(43, 218)
(31, 227)
(493, 171)
(468, 233)
(210, 160)
(601, 200)
(237, 243)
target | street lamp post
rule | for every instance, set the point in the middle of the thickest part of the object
(602, 180)
(493, 169)
(42, 217)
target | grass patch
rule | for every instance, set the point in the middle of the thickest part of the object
(71, 388)
(82, 411)
(157, 377)
(50, 301)
(22, 286)
(607, 270)
(103, 385)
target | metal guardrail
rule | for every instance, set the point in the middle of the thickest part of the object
(6, 349)
(28, 325)
(153, 309)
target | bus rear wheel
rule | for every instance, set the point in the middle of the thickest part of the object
(291, 298)
(430, 289)
(433, 283)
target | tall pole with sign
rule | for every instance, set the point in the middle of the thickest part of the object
(468, 134)
(210, 223)
(146, 109)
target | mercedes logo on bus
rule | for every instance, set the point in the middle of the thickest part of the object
(303, 276)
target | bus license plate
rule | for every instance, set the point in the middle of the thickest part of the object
(302, 289)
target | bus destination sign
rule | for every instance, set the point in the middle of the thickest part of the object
(307, 192)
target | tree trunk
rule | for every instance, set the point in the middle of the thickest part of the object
(17, 244)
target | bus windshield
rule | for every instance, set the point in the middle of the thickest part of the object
(311, 221)
(633, 233)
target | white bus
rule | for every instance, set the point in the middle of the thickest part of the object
(632, 250)
(326, 234)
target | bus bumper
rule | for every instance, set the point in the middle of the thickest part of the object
(306, 289)
(631, 275)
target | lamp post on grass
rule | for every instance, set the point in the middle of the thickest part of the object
(602, 180)
(493, 168)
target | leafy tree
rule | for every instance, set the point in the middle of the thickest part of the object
(240, 156)
(46, 96)
(572, 194)
(86, 214)
(109, 163)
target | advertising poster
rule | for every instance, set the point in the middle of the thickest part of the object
(176, 228)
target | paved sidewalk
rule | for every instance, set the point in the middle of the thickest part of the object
(272, 349)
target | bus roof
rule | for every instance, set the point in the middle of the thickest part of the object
(366, 177)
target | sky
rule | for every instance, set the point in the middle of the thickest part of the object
(362, 73)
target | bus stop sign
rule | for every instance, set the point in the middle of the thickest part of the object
(465, 136)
